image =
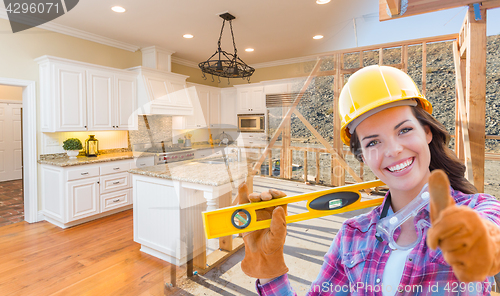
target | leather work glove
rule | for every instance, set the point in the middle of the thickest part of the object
(264, 248)
(470, 244)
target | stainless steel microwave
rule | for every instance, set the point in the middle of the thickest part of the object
(251, 123)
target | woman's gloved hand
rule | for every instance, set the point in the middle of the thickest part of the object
(470, 244)
(264, 248)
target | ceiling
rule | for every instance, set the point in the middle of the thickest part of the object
(276, 29)
(280, 31)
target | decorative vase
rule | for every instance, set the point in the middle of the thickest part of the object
(72, 153)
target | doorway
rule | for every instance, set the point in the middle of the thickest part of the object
(25, 187)
(11, 156)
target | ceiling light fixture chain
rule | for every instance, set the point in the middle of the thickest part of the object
(226, 64)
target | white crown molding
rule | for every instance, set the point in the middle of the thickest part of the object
(184, 62)
(50, 26)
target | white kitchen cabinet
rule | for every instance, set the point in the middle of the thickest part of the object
(100, 95)
(206, 108)
(250, 100)
(143, 161)
(77, 194)
(67, 109)
(83, 198)
(200, 117)
(215, 108)
(125, 102)
(228, 108)
(77, 96)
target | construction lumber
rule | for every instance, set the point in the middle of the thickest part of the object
(424, 6)
(476, 92)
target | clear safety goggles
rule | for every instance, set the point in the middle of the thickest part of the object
(386, 227)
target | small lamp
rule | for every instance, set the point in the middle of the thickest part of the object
(91, 146)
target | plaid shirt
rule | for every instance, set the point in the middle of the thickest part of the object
(355, 262)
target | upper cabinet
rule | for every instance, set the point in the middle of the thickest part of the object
(250, 99)
(76, 96)
(206, 108)
(228, 116)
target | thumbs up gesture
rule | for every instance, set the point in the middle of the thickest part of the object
(470, 244)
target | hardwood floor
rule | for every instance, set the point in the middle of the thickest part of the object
(11, 202)
(95, 258)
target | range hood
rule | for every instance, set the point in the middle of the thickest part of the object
(159, 91)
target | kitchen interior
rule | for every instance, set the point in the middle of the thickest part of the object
(156, 145)
(151, 142)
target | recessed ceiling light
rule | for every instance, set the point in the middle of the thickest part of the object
(318, 37)
(118, 9)
(187, 36)
(249, 49)
(322, 1)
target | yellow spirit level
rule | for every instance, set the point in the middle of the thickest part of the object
(242, 218)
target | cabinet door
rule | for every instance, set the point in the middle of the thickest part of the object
(199, 119)
(244, 96)
(228, 116)
(125, 102)
(71, 100)
(258, 100)
(83, 198)
(100, 99)
(215, 116)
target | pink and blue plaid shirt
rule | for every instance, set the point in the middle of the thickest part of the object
(355, 262)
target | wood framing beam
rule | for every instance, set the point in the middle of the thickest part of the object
(462, 143)
(393, 5)
(476, 93)
(328, 147)
(424, 6)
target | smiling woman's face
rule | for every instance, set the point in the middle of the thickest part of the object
(396, 148)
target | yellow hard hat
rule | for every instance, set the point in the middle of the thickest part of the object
(375, 88)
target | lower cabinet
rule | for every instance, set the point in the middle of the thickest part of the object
(77, 194)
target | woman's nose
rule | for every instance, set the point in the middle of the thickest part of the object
(393, 148)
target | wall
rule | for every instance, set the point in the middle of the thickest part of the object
(194, 74)
(11, 93)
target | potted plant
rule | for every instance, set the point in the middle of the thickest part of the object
(72, 147)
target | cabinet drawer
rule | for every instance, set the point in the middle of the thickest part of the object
(84, 172)
(114, 182)
(115, 200)
(115, 167)
(141, 162)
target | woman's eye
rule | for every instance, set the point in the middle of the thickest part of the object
(372, 143)
(405, 130)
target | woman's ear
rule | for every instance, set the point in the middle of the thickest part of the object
(428, 134)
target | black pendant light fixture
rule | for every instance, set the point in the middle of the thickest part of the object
(225, 64)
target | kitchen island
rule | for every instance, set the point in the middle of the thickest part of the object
(169, 199)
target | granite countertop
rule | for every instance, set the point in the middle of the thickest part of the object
(64, 161)
(194, 171)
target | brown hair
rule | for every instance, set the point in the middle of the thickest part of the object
(442, 157)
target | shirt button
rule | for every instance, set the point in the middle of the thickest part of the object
(386, 251)
(378, 281)
(409, 259)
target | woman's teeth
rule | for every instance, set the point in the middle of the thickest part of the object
(400, 166)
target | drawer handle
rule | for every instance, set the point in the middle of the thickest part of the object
(116, 168)
(142, 164)
(86, 173)
(117, 182)
(116, 200)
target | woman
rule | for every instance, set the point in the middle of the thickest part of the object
(388, 126)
